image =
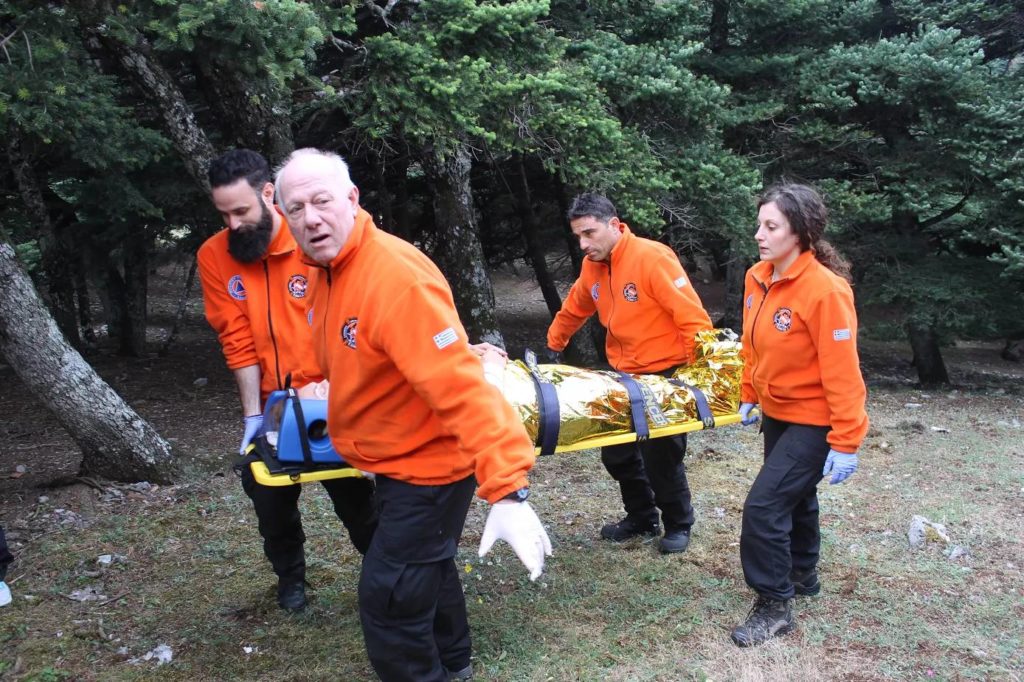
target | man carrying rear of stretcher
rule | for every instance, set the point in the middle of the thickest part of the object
(644, 299)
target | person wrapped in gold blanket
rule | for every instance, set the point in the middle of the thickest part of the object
(593, 404)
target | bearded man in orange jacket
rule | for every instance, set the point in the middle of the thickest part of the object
(644, 299)
(254, 292)
(409, 403)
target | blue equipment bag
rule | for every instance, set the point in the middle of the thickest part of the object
(297, 429)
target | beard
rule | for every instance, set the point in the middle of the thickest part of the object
(249, 242)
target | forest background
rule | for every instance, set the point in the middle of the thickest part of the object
(470, 125)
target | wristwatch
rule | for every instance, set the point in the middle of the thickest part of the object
(518, 495)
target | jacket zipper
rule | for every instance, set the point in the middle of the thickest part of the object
(327, 308)
(270, 326)
(611, 311)
(753, 325)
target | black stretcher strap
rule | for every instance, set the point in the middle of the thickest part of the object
(636, 406)
(703, 409)
(300, 426)
(548, 414)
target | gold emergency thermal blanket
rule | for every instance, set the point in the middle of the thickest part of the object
(594, 403)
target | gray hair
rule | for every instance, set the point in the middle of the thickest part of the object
(337, 165)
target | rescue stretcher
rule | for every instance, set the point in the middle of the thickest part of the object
(564, 409)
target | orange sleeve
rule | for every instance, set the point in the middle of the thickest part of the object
(833, 330)
(674, 292)
(431, 350)
(224, 314)
(576, 308)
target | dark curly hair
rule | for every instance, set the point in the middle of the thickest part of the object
(807, 215)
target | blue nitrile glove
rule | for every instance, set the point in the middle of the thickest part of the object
(841, 465)
(252, 427)
(745, 417)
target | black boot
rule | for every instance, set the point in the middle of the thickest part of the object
(291, 596)
(674, 542)
(767, 618)
(628, 528)
(806, 584)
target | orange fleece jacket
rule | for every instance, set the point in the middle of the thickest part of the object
(645, 301)
(800, 350)
(259, 309)
(408, 398)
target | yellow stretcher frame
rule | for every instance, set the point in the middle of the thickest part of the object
(264, 477)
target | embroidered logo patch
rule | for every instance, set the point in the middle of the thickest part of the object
(680, 283)
(348, 332)
(840, 334)
(629, 293)
(297, 286)
(783, 319)
(236, 288)
(750, 301)
(594, 290)
(445, 338)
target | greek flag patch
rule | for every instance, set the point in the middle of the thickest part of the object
(680, 283)
(445, 338)
(840, 334)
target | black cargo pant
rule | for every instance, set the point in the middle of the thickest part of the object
(280, 524)
(411, 604)
(780, 517)
(652, 476)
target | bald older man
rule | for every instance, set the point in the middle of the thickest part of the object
(409, 403)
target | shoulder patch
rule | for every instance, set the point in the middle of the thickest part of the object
(680, 283)
(236, 288)
(595, 290)
(750, 301)
(840, 334)
(445, 338)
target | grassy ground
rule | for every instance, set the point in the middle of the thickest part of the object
(191, 574)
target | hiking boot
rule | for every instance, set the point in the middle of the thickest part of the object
(291, 596)
(767, 618)
(628, 528)
(674, 542)
(806, 584)
(464, 675)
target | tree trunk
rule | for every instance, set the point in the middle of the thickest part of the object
(718, 32)
(459, 252)
(56, 260)
(931, 370)
(579, 351)
(135, 257)
(155, 85)
(253, 112)
(735, 270)
(116, 442)
(531, 233)
(179, 314)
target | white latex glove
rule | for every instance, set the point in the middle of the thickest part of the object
(517, 524)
